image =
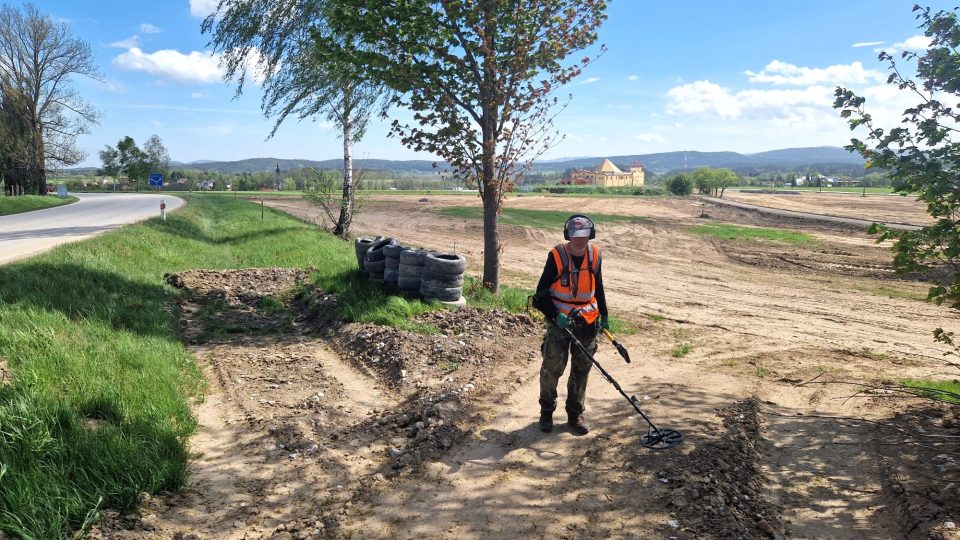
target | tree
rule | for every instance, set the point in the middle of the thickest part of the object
(38, 58)
(680, 185)
(16, 142)
(479, 77)
(297, 80)
(128, 160)
(724, 178)
(109, 163)
(703, 179)
(156, 154)
(709, 180)
(922, 155)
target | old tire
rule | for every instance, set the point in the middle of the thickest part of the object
(375, 252)
(406, 283)
(410, 271)
(445, 263)
(443, 294)
(360, 247)
(374, 266)
(393, 250)
(412, 257)
(392, 262)
(390, 275)
(443, 281)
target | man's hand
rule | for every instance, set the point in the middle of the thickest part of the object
(604, 322)
(562, 320)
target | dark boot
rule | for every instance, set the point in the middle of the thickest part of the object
(546, 421)
(578, 425)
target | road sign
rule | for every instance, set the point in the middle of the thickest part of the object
(156, 179)
(61, 191)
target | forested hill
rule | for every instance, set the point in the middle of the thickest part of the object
(823, 159)
(819, 159)
(252, 165)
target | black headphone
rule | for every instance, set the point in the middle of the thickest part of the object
(566, 226)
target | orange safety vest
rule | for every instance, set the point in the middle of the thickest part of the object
(575, 288)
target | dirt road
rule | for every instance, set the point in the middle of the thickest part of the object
(775, 445)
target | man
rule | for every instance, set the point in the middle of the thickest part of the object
(570, 295)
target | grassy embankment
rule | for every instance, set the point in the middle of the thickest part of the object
(727, 231)
(538, 219)
(95, 386)
(29, 203)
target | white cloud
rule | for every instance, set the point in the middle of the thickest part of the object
(127, 43)
(148, 28)
(632, 78)
(700, 97)
(777, 72)
(590, 80)
(776, 107)
(648, 137)
(198, 95)
(196, 66)
(913, 43)
(202, 8)
(868, 43)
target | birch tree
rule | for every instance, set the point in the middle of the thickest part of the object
(276, 40)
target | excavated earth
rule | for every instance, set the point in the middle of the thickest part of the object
(777, 362)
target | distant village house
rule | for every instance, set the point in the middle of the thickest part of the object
(608, 175)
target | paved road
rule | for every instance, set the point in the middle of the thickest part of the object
(29, 233)
(807, 215)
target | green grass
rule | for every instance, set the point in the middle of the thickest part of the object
(681, 350)
(29, 203)
(727, 231)
(867, 352)
(948, 391)
(540, 219)
(98, 409)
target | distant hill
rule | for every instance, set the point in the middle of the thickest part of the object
(270, 164)
(821, 159)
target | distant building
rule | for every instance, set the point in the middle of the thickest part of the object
(608, 175)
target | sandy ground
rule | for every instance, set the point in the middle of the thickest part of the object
(778, 443)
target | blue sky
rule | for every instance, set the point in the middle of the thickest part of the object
(746, 76)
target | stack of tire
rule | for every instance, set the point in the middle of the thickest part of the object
(410, 270)
(442, 278)
(391, 263)
(374, 262)
(360, 247)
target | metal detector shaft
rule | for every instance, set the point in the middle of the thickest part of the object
(667, 438)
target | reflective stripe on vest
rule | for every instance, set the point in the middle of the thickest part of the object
(575, 287)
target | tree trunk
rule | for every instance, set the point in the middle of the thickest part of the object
(491, 208)
(488, 120)
(346, 203)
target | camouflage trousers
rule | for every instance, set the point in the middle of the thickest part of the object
(556, 349)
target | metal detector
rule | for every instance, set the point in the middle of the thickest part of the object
(656, 438)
